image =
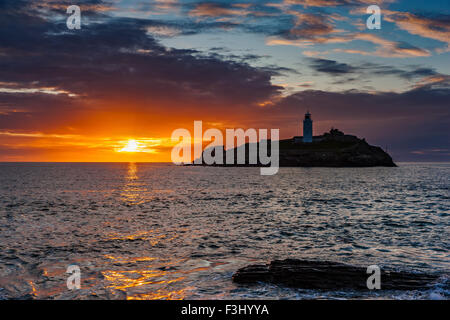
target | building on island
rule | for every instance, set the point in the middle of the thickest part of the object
(307, 128)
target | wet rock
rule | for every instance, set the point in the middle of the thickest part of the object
(325, 275)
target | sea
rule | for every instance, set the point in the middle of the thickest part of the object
(160, 231)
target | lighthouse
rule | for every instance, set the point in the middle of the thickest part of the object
(307, 128)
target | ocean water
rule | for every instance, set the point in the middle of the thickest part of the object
(158, 231)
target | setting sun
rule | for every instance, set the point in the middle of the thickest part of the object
(132, 146)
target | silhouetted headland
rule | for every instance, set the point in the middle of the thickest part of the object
(332, 149)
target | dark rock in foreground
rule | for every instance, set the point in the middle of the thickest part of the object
(333, 149)
(324, 275)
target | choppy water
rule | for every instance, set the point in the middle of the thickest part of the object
(157, 231)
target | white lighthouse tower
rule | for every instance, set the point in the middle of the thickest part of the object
(307, 128)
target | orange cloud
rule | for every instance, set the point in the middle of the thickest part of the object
(334, 3)
(392, 49)
(221, 12)
(215, 10)
(425, 27)
(57, 5)
(386, 48)
(436, 80)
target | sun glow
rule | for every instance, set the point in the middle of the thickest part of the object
(132, 146)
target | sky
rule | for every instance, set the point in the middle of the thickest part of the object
(117, 88)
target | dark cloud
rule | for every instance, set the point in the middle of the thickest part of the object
(331, 66)
(408, 74)
(118, 60)
(38, 111)
(368, 69)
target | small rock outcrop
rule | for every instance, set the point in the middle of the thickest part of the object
(325, 275)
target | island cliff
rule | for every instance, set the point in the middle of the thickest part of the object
(332, 149)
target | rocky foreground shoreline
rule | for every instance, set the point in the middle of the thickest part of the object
(326, 275)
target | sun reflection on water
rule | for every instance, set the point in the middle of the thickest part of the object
(134, 191)
(148, 278)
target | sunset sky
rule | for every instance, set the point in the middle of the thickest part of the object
(137, 70)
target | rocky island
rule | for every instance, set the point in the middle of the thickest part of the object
(332, 149)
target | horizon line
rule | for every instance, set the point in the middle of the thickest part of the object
(168, 162)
